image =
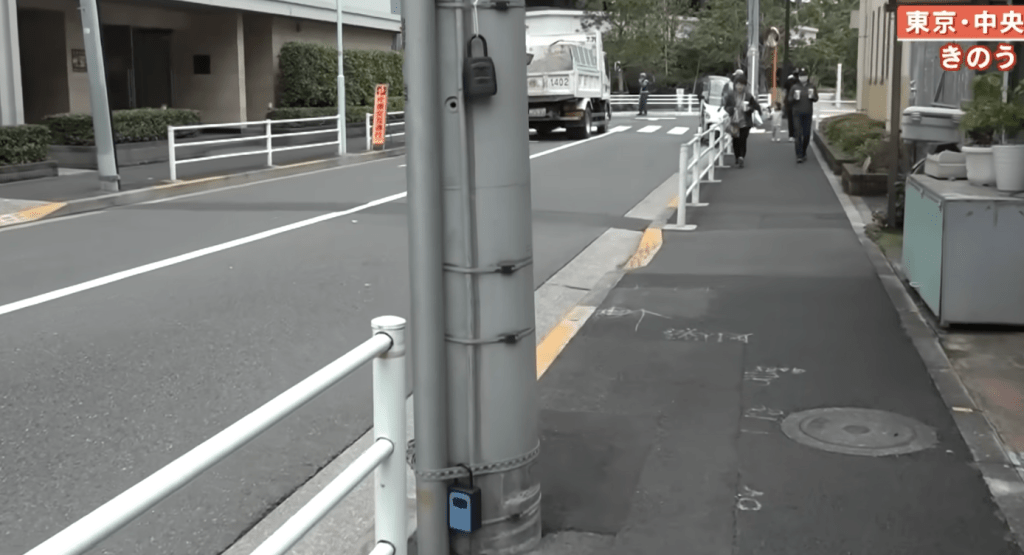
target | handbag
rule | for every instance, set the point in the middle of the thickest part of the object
(756, 118)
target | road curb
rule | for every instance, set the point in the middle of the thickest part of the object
(991, 457)
(170, 189)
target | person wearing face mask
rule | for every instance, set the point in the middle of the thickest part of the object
(645, 87)
(802, 97)
(741, 105)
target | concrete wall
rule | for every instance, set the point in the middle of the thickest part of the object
(874, 62)
(44, 78)
(243, 49)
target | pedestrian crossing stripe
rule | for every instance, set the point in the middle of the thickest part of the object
(649, 129)
(678, 130)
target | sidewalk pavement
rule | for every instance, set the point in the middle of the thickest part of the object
(76, 191)
(676, 420)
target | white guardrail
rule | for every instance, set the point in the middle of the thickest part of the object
(388, 123)
(385, 458)
(689, 103)
(266, 138)
(692, 173)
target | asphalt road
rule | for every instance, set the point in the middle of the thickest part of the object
(103, 384)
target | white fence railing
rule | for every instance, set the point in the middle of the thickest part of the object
(265, 139)
(689, 103)
(394, 126)
(385, 458)
(693, 171)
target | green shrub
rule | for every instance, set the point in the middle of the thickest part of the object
(23, 144)
(130, 126)
(309, 75)
(849, 133)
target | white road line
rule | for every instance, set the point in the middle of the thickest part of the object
(649, 129)
(621, 128)
(160, 264)
(678, 130)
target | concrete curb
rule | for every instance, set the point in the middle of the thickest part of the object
(991, 457)
(173, 189)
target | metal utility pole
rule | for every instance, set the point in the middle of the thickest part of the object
(785, 43)
(102, 127)
(426, 268)
(896, 81)
(753, 45)
(342, 124)
(491, 354)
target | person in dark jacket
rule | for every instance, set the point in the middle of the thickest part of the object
(802, 97)
(741, 105)
(645, 88)
(791, 80)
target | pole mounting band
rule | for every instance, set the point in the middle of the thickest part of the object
(500, 5)
(508, 338)
(503, 268)
(457, 472)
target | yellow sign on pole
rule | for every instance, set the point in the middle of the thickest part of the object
(380, 115)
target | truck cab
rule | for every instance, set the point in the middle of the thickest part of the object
(568, 84)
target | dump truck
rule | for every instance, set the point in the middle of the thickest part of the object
(568, 84)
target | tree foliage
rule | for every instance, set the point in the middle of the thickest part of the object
(641, 34)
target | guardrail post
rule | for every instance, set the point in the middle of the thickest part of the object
(684, 163)
(389, 392)
(270, 144)
(171, 159)
(369, 133)
(342, 134)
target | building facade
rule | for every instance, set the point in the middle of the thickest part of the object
(216, 56)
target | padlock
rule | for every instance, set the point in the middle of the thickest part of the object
(479, 79)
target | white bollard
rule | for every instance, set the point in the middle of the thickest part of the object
(369, 133)
(389, 392)
(839, 84)
(171, 158)
(684, 162)
(270, 144)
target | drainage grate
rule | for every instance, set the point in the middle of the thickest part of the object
(864, 432)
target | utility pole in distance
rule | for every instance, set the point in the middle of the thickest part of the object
(102, 126)
(491, 346)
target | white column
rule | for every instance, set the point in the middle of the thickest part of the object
(12, 107)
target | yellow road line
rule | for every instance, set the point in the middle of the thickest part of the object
(30, 214)
(555, 341)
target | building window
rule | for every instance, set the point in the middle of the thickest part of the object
(201, 64)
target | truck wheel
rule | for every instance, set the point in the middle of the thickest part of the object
(583, 131)
(603, 126)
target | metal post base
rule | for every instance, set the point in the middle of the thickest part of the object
(674, 227)
(697, 204)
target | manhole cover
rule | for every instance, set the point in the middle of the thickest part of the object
(865, 432)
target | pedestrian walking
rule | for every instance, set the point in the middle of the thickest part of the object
(776, 121)
(791, 80)
(802, 97)
(645, 88)
(741, 105)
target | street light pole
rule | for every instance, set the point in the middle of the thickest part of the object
(102, 125)
(342, 126)
(785, 43)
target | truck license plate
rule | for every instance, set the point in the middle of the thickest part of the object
(538, 112)
(558, 82)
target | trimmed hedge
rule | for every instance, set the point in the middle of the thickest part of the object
(851, 132)
(309, 76)
(130, 126)
(23, 144)
(353, 114)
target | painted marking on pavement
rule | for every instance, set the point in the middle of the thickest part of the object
(747, 499)
(693, 334)
(650, 244)
(649, 129)
(620, 128)
(30, 214)
(678, 130)
(160, 264)
(556, 340)
(765, 375)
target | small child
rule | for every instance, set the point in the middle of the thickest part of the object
(776, 121)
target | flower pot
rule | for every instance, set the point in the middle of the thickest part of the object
(980, 167)
(1008, 161)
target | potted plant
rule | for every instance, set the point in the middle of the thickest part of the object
(1007, 152)
(979, 125)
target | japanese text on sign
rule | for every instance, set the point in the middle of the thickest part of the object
(953, 57)
(380, 115)
(962, 23)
